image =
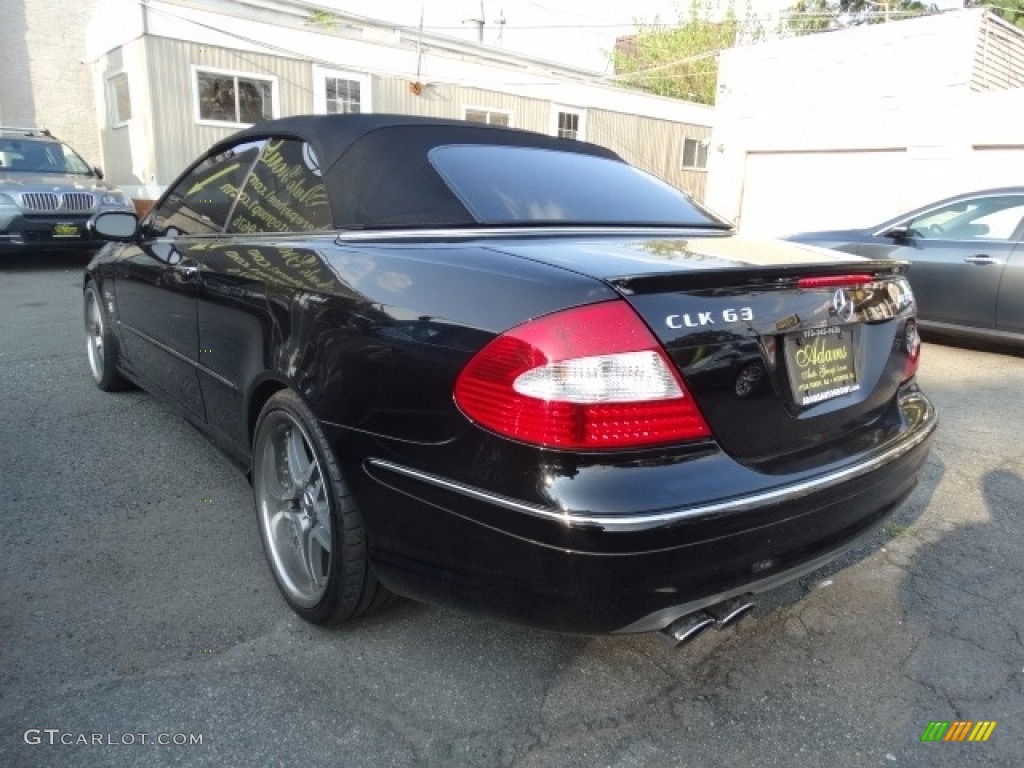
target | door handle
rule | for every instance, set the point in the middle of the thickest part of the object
(982, 258)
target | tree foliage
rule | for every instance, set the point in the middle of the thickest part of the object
(681, 60)
(1009, 10)
(810, 16)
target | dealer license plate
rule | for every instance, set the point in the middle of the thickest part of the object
(821, 363)
(66, 229)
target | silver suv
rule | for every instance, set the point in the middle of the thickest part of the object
(47, 194)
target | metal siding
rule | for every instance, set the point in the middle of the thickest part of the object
(998, 56)
(178, 138)
(393, 94)
(651, 144)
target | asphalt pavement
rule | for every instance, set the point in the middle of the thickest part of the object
(140, 626)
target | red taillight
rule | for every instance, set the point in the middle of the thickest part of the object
(833, 281)
(912, 342)
(587, 378)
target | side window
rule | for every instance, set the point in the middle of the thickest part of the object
(285, 192)
(983, 218)
(695, 154)
(1002, 223)
(201, 201)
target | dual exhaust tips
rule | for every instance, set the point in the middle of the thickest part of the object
(719, 616)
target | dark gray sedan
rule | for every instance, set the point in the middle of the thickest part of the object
(967, 260)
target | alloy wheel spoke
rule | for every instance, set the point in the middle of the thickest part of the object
(322, 508)
(321, 533)
(282, 517)
(94, 335)
(312, 556)
(276, 478)
(300, 463)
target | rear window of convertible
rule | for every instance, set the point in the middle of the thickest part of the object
(503, 185)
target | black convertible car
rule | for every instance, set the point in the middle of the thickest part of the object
(496, 370)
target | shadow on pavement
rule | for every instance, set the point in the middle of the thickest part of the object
(51, 261)
(962, 594)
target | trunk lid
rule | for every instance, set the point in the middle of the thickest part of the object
(794, 354)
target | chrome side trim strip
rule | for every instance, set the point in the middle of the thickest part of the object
(473, 233)
(969, 331)
(624, 522)
(201, 368)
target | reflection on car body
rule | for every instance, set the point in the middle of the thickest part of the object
(733, 364)
(469, 394)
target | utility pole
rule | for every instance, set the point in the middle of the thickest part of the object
(478, 22)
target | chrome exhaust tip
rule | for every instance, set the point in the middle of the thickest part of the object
(730, 611)
(685, 628)
(719, 616)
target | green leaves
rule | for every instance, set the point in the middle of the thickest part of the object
(1008, 10)
(810, 16)
(681, 61)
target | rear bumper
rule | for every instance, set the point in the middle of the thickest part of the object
(566, 569)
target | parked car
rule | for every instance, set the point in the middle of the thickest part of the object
(463, 364)
(966, 256)
(47, 194)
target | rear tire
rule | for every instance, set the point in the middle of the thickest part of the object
(100, 344)
(312, 532)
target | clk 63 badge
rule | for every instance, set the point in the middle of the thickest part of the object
(697, 319)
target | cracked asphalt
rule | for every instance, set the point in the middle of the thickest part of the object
(131, 606)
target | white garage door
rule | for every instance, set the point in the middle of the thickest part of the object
(997, 166)
(786, 192)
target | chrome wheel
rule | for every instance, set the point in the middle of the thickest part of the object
(294, 508)
(94, 334)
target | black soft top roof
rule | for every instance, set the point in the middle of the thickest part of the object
(331, 136)
(376, 167)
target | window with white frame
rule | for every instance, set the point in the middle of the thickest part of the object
(568, 123)
(237, 98)
(489, 116)
(340, 93)
(119, 98)
(695, 154)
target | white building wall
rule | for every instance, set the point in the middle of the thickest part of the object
(44, 79)
(847, 128)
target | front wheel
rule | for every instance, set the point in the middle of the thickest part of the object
(312, 531)
(99, 343)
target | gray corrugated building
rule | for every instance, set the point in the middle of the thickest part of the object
(166, 78)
